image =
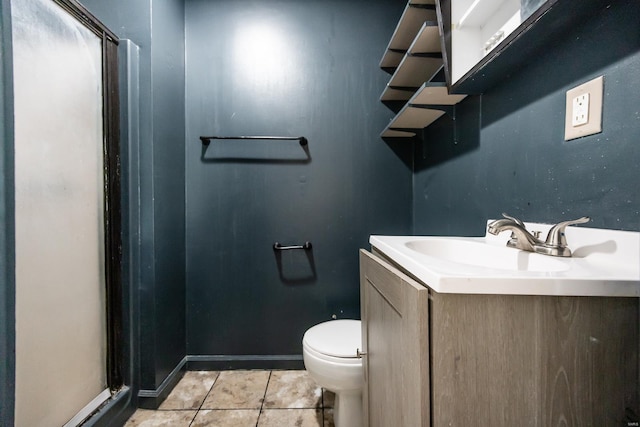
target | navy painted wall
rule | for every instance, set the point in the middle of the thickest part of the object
(7, 220)
(511, 155)
(168, 100)
(285, 67)
(157, 27)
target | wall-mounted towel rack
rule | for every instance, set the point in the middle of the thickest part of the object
(278, 247)
(303, 141)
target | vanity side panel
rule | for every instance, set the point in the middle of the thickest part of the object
(534, 360)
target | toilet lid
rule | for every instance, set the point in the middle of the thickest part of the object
(338, 338)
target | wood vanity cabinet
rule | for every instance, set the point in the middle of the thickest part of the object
(435, 359)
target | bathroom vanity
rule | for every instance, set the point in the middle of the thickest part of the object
(465, 351)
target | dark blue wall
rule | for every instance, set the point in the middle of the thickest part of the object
(511, 155)
(285, 68)
(168, 100)
(7, 221)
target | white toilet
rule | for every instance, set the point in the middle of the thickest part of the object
(330, 356)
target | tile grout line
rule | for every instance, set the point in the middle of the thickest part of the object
(264, 396)
(205, 398)
(322, 404)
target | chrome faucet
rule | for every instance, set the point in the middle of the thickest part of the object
(521, 238)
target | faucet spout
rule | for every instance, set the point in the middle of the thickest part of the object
(522, 239)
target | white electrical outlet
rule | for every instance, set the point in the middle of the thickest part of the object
(583, 114)
(580, 113)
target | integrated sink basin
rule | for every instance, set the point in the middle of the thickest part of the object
(604, 263)
(480, 254)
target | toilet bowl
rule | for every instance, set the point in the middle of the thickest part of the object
(329, 351)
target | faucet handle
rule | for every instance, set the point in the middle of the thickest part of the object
(556, 234)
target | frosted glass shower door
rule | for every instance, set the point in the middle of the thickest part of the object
(60, 267)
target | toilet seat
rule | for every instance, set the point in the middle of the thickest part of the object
(335, 340)
(344, 361)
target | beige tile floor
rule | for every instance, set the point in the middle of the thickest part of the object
(241, 398)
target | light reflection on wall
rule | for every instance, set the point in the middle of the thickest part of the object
(265, 60)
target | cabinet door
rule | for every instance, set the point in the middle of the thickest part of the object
(520, 360)
(395, 338)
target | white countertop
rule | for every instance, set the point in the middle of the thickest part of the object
(604, 263)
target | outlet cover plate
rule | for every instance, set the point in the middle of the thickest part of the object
(576, 128)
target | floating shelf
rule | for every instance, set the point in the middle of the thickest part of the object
(427, 40)
(410, 118)
(435, 94)
(415, 70)
(397, 94)
(393, 133)
(424, 107)
(421, 61)
(391, 59)
(415, 14)
(418, 73)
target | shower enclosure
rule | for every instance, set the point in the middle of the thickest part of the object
(67, 215)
